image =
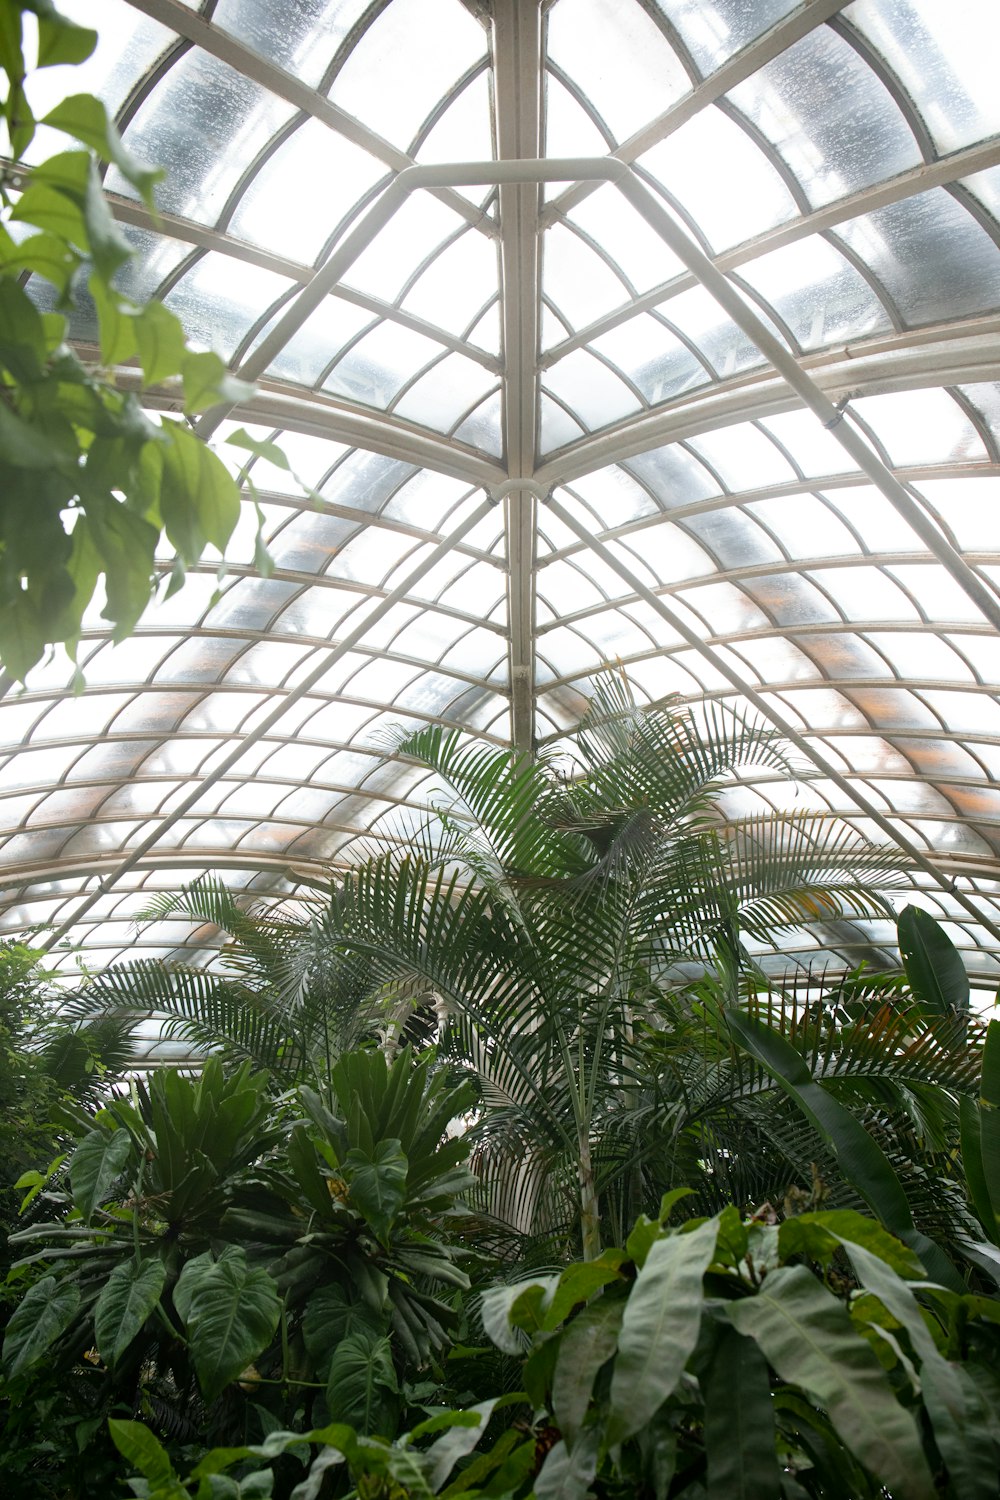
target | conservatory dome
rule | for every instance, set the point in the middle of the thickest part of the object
(659, 335)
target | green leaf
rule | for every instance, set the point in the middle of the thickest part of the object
(567, 1475)
(739, 1422)
(96, 1163)
(60, 40)
(361, 1383)
(230, 1312)
(126, 545)
(144, 1451)
(807, 1336)
(264, 448)
(115, 322)
(933, 964)
(47, 1310)
(128, 1297)
(458, 1441)
(86, 119)
(579, 1282)
(23, 635)
(207, 382)
(660, 1328)
(24, 446)
(522, 1305)
(109, 249)
(989, 1123)
(588, 1342)
(159, 339)
(23, 345)
(199, 501)
(817, 1235)
(954, 1426)
(864, 1165)
(47, 255)
(377, 1184)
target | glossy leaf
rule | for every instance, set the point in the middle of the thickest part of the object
(588, 1342)
(127, 1299)
(739, 1422)
(660, 1328)
(933, 964)
(96, 1163)
(378, 1184)
(807, 1336)
(231, 1313)
(47, 1310)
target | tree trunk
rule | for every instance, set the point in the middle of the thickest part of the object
(590, 1217)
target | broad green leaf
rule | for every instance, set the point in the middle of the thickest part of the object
(660, 1328)
(817, 1236)
(115, 322)
(159, 339)
(24, 446)
(126, 545)
(127, 1299)
(47, 1310)
(144, 1452)
(330, 1316)
(989, 1122)
(109, 249)
(807, 1336)
(739, 1422)
(863, 1163)
(362, 1383)
(567, 1475)
(586, 1344)
(579, 1282)
(199, 501)
(47, 255)
(60, 40)
(954, 1427)
(458, 1441)
(972, 1163)
(933, 964)
(23, 636)
(23, 344)
(264, 448)
(207, 382)
(96, 1163)
(86, 119)
(522, 1305)
(377, 1184)
(231, 1313)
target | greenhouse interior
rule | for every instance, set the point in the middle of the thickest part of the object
(576, 352)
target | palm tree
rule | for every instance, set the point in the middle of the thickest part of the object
(551, 906)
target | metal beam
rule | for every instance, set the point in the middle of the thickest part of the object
(768, 711)
(517, 49)
(769, 45)
(978, 158)
(223, 45)
(341, 649)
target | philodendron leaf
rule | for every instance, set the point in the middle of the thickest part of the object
(933, 964)
(587, 1343)
(377, 1184)
(361, 1383)
(95, 1164)
(230, 1313)
(144, 1451)
(808, 1338)
(46, 1311)
(739, 1422)
(126, 1301)
(660, 1328)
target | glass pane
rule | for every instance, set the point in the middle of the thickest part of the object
(405, 61)
(620, 60)
(828, 116)
(301, 36)
(716, 29)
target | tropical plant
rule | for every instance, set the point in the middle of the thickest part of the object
(556, 907)
(225, 1266)
(89, 481)
(726, 1357)
(279, 996)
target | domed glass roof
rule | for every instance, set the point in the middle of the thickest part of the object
(711, 393)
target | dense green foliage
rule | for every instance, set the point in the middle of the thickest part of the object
(724, 1358)
(89, 481)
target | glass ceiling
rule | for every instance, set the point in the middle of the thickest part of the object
(539, 442)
